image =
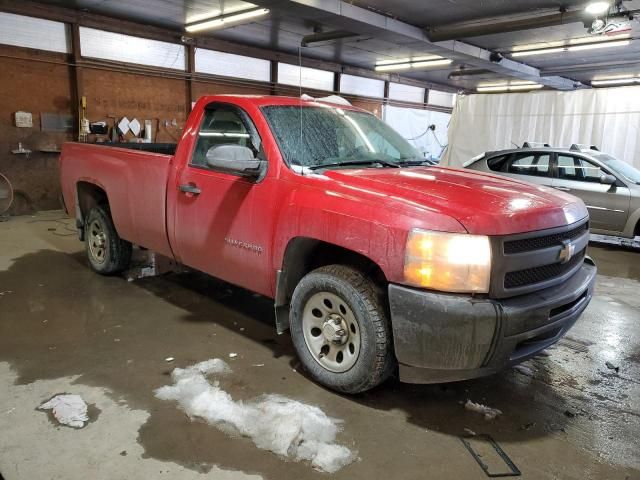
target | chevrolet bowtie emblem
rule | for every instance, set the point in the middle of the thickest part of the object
(567, 251)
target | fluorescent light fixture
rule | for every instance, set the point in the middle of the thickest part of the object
(618, 43)
(506, 87)
(598, 8)
(438, 62)
(432, 63)
(395, 66)
(426, 58)
(542, 51)
(626, 80)
(537, 46)
(224, 20)
(579, 45)
(514, 88)
(408, 60)
(391, 62)
(599, 38)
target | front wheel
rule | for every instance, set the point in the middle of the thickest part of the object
(341, 330)
(106, 251)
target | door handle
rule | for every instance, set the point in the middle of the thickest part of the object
(189, 188)
(564, 189)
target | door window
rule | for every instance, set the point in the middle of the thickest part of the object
(224, 125)
(578, 169)
(534, 164)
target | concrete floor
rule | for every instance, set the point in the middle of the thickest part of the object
(66, 329)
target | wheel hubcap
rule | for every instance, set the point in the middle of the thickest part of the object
(97, 241)
(331, 332)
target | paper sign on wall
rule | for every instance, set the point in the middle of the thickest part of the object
(134, 125)
(23, 119)
(123, 126)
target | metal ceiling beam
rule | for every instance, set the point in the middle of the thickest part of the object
(586, 67)
(344, 16)
(325, 38)
(491, 26)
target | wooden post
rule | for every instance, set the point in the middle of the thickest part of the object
(77, 74)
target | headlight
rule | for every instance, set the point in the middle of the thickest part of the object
(448, 262)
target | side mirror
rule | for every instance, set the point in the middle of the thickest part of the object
(607, 179)
(234, 158)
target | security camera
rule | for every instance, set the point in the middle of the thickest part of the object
(496, 57)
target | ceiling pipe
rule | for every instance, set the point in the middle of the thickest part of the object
(326, 37)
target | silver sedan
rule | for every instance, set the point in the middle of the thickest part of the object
(609, 187)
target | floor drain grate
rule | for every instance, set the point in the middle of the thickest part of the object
(575, 345)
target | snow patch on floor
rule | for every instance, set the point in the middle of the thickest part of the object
(68, 410)
(31, 449)
(488, 412)
(276, 423)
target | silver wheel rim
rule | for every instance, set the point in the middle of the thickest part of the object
(97, 242)
(331, 332)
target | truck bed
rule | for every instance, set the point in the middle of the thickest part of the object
(136, 182)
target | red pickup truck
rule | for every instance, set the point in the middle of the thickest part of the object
(376, 261)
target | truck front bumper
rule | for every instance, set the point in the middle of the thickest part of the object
(442, 337)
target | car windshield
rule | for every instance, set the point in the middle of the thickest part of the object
(324, 136)
(623, 168)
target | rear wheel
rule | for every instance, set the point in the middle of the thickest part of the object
(341, 330)
(106, 251)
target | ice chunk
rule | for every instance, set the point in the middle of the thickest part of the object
(488, 412)
(68, 409)
(276, 423)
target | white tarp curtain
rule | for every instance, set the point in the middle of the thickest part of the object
(412, 124)
(608, 118)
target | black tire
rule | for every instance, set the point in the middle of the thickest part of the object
(375, 360)
(115, 252)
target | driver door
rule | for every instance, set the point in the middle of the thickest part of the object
(220, 213)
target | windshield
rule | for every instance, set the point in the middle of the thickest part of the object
(328, 136)
(623, 168)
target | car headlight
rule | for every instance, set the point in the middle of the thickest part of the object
(448, 262)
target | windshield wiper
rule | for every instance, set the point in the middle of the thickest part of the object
(354, 163)
(416, 163)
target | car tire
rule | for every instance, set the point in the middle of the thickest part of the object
(341, 331)
(107, 252)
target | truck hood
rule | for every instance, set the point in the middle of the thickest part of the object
(485, 204)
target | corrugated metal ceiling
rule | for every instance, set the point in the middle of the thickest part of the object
(282, 31)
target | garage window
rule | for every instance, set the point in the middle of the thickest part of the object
(366, 87)
(231, 65)
(29, 32)
(305, 77)
(442, 99)
(406, 93)
(126, 48)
